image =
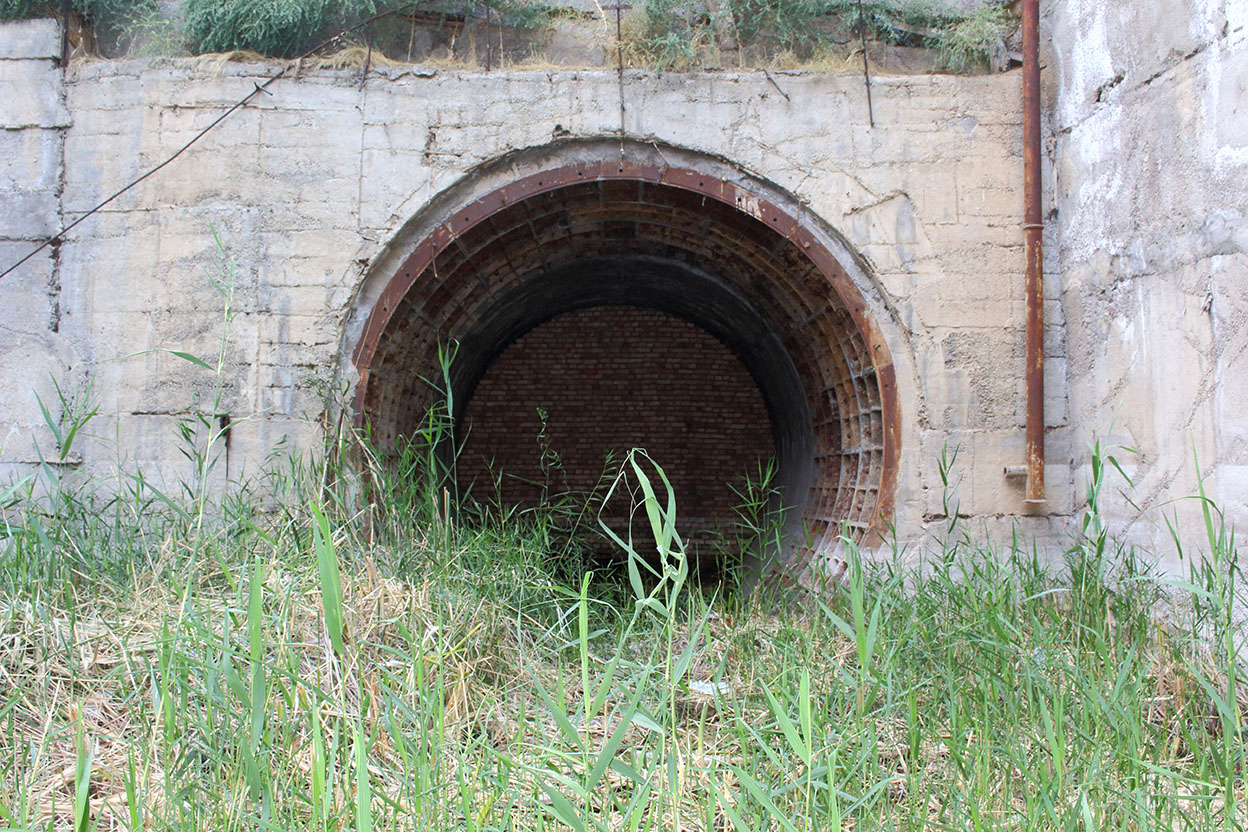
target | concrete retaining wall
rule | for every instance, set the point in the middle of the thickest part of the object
(307, 187)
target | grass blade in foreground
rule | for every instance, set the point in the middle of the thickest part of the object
(331, 581)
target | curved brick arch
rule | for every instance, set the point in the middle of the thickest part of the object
(760, 277)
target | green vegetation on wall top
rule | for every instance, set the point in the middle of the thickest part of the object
(678, 33)
(671, 34)
(282, 28)
(17, 9)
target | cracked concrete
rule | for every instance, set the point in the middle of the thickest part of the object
(1152, 233)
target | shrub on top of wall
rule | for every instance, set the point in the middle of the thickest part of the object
(971, 40)
(19, 9)
(108, 11)
(679, 33)
(112, 27)
(671, 33)
(281, 28)
(287, 28)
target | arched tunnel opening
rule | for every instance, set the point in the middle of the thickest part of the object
(599, 309)
(555, 412)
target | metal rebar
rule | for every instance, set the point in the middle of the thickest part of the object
(66, 10)
(368, 58)
(777, 86)
(866, 67)
(619, 57)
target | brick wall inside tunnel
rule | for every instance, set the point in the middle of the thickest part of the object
(610, 378)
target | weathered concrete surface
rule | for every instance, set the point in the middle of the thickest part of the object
(1150, 108)
(30, 40)
(33, 120)
(310, 189)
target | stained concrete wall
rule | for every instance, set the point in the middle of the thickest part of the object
(1146, 248)
(1149, 106)
(308, 187)
(33, 349)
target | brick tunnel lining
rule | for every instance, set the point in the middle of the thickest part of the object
(645, 244)
(585, 387)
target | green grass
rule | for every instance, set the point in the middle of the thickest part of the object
(342, 646)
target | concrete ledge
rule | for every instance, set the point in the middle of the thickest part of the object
(27, 39)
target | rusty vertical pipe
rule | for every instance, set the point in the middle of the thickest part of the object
(1033, 229)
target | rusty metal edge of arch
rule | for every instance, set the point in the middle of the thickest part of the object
(765, 211)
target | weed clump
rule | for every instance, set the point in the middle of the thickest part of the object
(279, 28)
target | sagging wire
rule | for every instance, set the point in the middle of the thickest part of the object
(242, 102)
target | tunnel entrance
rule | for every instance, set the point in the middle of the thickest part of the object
(558, 409)
(669, 276)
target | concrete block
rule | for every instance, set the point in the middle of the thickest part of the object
(95, 89)
(31, 92)
(254, 440)
(1231, 115)
(989, 201)
(97, 166)
(320, 242)
(393, 178)
(949, 286)
(1229, 308)
(1231, 490)
(28, 363)
(29, 160)
(297, 330)
(30, 39)
(1056, 397)
(934, 311)
(33, 275)
(936, 201)
(952, 449)
(27, 304)
(894, 263)
(979, 234)
(135, 120)
(28, 215)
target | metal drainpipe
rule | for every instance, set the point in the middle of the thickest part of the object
(1033, 230)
